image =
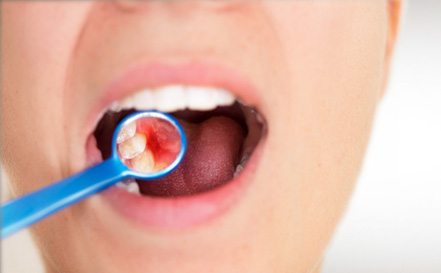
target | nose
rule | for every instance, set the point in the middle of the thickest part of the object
(181, 5)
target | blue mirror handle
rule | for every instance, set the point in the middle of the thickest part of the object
(24, 211)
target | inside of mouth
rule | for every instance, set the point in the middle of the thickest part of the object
(220, 142)
(148, 144)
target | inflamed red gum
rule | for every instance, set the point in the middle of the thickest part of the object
(148, 144)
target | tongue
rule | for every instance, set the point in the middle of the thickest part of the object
(212, 155)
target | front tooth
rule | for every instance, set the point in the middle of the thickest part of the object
(223, 97)
(133, 146)
(200, 99)
(144, 100)
(144, 162)
(126, 132)
(171, 98)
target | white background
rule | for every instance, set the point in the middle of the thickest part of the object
(393, 224)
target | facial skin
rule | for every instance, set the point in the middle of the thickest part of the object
(320, 68)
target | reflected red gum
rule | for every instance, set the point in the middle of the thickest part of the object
(163, 140)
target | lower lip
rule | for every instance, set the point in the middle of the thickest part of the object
(185, 211)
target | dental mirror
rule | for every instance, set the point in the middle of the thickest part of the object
(150, 144)
(146, 145)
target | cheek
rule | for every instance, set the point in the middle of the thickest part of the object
(335, 54)
(321, 124)
(37, 40)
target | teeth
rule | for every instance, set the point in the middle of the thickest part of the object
(160, 166)
(199, 99)
(177, 97)
(129, 185)
(223, 98)
(133, 146)
(145, 99)
(144, 162)
(242, 164)
(128, 131)
(238, 170)
(170, 99)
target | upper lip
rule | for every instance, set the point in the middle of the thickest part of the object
(138, 77)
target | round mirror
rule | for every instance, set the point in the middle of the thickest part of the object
(150, 143)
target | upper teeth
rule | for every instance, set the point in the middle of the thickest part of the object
(176, 97)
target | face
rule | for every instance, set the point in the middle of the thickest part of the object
(265, 179)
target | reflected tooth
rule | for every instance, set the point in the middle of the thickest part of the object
(171, 98)
(133, 146)
(200, 99)
(128, 131)
(144, 162)
(160, 166)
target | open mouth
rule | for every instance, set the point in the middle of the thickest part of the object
(222, 133)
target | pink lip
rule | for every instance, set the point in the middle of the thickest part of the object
(185, 211)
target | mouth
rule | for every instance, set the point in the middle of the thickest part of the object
(223, 132)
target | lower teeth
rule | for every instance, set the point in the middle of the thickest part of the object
(238, 170)
(129, 185)
(241, 164)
